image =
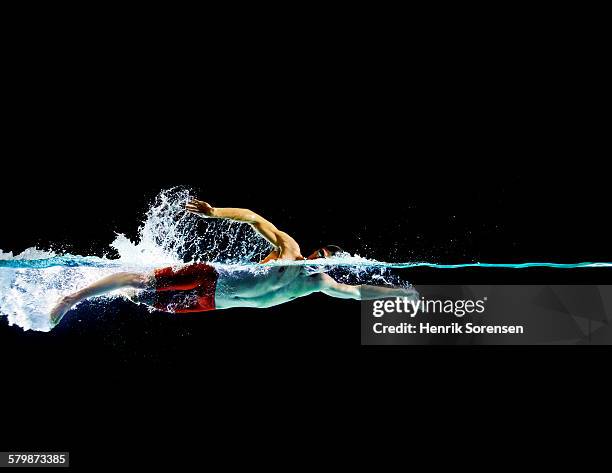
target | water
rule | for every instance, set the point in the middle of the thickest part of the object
(32, 281)
(338, 262)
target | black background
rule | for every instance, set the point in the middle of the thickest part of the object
(398, 148)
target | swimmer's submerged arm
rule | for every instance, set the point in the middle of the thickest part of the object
(361, 292)
(287, 246)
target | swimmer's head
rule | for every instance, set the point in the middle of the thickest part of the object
(326, 251)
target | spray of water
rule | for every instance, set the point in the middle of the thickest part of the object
(33, 281)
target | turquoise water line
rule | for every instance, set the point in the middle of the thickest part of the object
(77, 261)
(503, 265)
(65, 261)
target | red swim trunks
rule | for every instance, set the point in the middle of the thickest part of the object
(187, 289)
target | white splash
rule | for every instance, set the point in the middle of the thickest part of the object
(33, 281)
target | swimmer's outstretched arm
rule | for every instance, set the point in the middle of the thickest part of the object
(361, 292)
(287, 247)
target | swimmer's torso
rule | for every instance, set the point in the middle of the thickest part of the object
(262, 286)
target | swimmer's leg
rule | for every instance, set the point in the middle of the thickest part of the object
(104, 285)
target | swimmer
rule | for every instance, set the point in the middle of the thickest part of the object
(200, 287)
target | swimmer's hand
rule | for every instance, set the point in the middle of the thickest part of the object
(62, 306)
(199, 207)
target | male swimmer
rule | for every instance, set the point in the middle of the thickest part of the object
(200, 287)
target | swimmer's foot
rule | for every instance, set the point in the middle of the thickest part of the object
(63, 306)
